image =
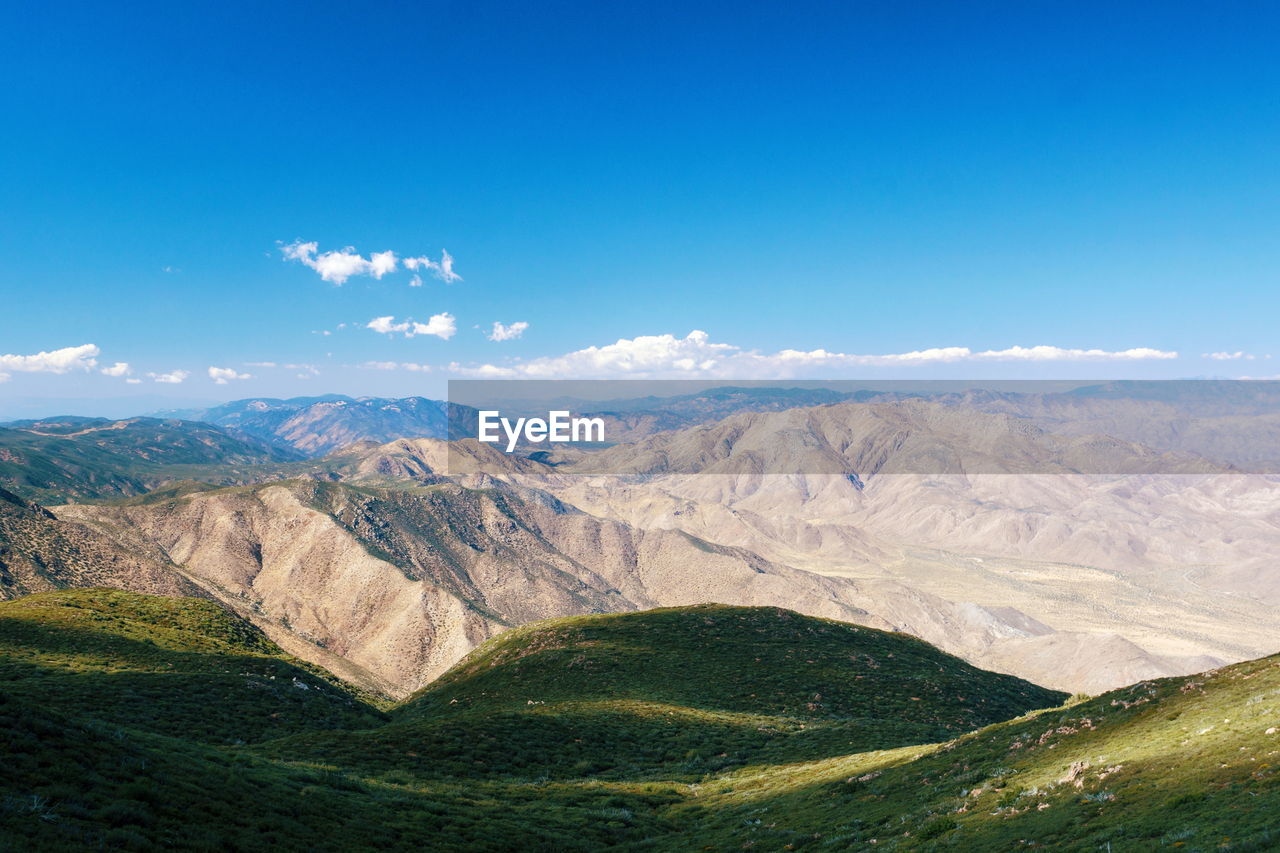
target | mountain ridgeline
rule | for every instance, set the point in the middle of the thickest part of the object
(62, 459)
(315, 426)
(1228, 423)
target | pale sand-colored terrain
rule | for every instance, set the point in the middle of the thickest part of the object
(1172, 570)
(1002, 555)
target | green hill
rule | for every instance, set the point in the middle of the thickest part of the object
(754, 660)
(178, 666)
(135, 722)
(682, 692)
(71, 783)
(1180, 763)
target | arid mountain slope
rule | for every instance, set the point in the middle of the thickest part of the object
(391, 586)
(40, 552)
(863, 440)
(398, 559)
(1146, 572)
(1231, 431)
(403, 583)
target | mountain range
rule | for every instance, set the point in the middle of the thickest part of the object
(772, 619)
(315, 426)
(74, 458)
(388, 562)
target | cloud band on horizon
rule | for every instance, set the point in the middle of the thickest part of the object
(656, 356)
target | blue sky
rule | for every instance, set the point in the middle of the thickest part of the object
(821, 189)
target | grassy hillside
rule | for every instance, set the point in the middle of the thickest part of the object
(1180, 763)
(178, 666)
(143, 723)
(678, 693)
(71, 783)
(61, 459)
(757, 660)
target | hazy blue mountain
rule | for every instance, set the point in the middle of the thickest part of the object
(315, 426)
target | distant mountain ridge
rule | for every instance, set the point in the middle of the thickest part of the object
(1229, 422)
(53, 460)
(316, 426)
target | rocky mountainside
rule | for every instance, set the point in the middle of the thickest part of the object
(394, 579)
(865, 440)
(1124, 577)
(40, 552)
(1163, 551)
(1230, 432)
(393, 561)
(400, 584)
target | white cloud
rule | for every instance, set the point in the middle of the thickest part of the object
(83, 357)
(387, 325)
(442, 325)
(338, 266)
(174, 377)
(381, 263)
(223, 375)
(442, 269)
(396, 365)
(1048, 353)
(507, 333)
(1228, 356)
(134, 381)
(650, 356)
(120, 368)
